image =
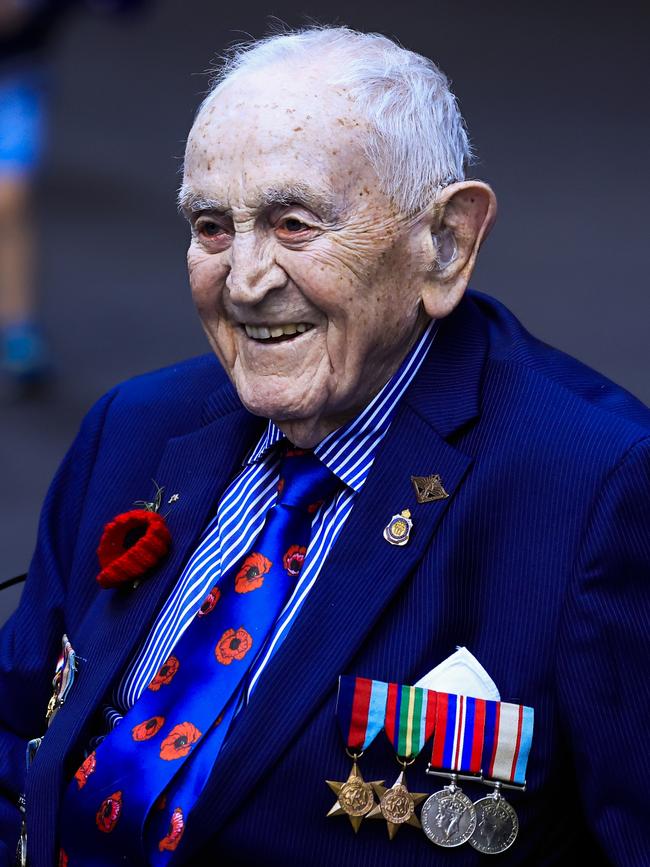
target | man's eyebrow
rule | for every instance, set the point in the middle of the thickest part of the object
(319, 201)
(192, 203)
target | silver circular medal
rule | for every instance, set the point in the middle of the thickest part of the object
(497, 825)
(448, 817)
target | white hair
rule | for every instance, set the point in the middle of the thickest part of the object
(417, 143)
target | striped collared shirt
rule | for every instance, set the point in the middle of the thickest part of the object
(348, 452)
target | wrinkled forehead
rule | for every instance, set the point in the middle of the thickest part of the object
(270, 132)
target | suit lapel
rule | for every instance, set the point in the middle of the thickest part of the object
(199, 465)
(362, 573)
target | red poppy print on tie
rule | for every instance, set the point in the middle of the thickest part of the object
(293, 559)
(179, 742)
(109, 812)
(63, 858)
(167, 671)
(312, 508)
(210, 601)
(252, 572)
(85, 770)
(147, 729)
(296, 453)
(161, 803)
(176, 828)
(233, 645)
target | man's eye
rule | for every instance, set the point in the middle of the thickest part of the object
(291, 224)
(209, 229)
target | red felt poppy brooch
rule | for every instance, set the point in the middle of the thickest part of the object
(132, 544)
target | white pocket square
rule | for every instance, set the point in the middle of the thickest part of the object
(462, 674)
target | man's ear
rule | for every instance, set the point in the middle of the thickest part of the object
(459, 221)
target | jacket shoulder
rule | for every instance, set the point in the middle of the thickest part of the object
(539, 375)
(176, 393)
(202, 373)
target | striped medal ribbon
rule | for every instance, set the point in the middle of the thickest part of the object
(448, 816)
(508, 737)
(360, 709)
(409, 722)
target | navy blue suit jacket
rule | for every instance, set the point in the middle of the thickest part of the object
(537, 562)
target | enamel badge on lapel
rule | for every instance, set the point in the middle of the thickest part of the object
(64, 676)
(428, 489)
(399, 528)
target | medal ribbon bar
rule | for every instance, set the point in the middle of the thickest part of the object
(360, 708)
(459, 734)
(410, 718)
(508, 736)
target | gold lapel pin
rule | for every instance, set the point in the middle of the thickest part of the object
(428, 489)
(398, 529)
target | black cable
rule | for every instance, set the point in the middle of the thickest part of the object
(5, 584)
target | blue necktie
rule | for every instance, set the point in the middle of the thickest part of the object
(152, 766)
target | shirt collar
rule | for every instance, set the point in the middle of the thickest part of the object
(350, 450)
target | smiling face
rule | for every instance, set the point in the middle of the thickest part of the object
(307, 279)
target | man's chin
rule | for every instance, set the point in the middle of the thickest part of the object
(301, 423)
(286, 408)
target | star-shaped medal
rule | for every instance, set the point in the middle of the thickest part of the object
(355, 797)
(396, 805)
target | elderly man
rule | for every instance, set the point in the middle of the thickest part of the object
(400, 469)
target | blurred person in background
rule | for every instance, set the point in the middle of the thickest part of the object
(26, 31)
(25, 26)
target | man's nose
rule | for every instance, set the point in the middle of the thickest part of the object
(253, 270)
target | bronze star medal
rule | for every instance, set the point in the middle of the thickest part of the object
(355, 797)
(396, 805)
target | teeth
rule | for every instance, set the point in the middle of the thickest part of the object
(261, 332)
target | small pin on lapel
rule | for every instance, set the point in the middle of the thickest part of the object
(428, 489)
(398, 529)
(66, 669)
(173, 499)
(152, 505)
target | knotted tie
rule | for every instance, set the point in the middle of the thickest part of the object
(156, 761)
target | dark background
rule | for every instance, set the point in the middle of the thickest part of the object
(555, 98)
